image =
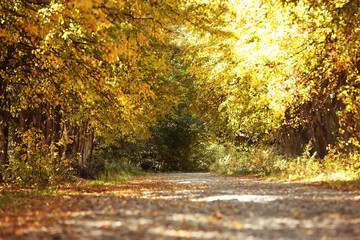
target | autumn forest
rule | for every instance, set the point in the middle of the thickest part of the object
(264, 87)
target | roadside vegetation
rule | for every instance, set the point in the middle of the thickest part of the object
(265, 162)
(104, 90)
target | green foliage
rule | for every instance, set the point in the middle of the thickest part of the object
(264, 161)
(79, 68)
(354, 182)
(341, 167)
(10, 197)
(34, 165)
(304, 166)
(290, 72)
(256, 160)
(115, 174)
(235, 78)
(255, 73)
(178, 145)
(112, 166)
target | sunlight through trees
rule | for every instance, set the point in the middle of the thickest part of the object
(262, 76)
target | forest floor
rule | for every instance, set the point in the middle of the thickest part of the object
(184, 206)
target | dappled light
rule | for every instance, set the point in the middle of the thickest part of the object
(161, 207)
(96, 92)
(240, 198)
(91, 88)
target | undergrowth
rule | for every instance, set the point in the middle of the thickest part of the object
(115, 173)
(35, 164)
(267, 161)
(11, 197)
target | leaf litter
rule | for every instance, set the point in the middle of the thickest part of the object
(185, 206)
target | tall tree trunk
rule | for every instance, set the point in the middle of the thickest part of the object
(4, 131)
(82, 144)
(4, 122)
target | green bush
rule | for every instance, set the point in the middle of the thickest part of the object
(266, 161)
(33, 164)
(176, 144)
(244, 160)
(116, 172)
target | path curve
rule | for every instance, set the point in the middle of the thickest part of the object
(205, 206)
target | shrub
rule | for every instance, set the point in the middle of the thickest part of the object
(244, 160)
(267, 161)
(34, 163)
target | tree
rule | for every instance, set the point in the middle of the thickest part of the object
(287, 72)
(325, 109)
(74, 70)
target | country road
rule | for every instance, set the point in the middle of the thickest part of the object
(194, 206)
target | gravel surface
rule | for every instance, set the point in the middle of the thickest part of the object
(204, 206)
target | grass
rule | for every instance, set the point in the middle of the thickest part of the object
(355, 182)
(330, 181)
(14, 196)
(334, 171)
(109, 178)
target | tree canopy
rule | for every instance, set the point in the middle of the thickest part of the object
(72, 72)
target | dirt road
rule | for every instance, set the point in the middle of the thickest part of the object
(194, 206)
